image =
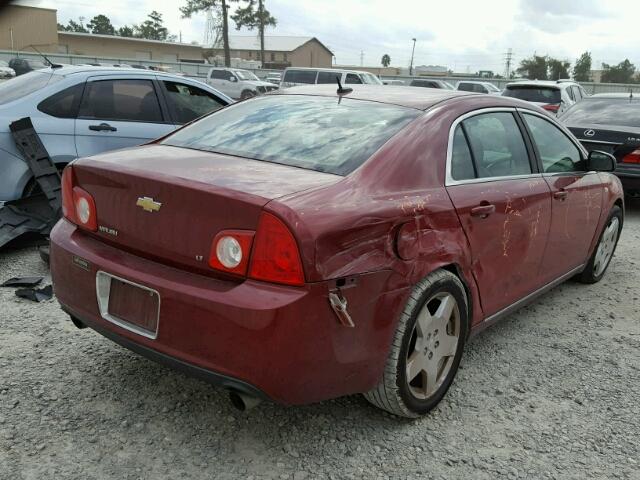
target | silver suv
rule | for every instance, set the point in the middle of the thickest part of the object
(553, 96)
(237, 83)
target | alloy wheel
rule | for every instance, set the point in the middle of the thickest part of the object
(606, 246)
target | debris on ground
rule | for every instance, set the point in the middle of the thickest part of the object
(22, 282)
(36, 294)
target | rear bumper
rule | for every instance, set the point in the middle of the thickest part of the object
(271, 341)
(629, 176)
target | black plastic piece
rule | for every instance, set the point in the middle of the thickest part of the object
(36, 294)
(22, 282)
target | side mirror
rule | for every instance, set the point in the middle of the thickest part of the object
(601, 161)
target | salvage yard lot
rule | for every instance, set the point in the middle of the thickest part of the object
(550, 392)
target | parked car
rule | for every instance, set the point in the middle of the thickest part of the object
(6, 71)
(392, 82)
(81, 111)
(431, 83)
(478, 87)
(296, 76)
(554, 97)
(353, 253)
(24, 65)
(237, 83)
(273, 78)
(611, 122)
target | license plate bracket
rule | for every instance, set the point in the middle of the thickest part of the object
(127, 304)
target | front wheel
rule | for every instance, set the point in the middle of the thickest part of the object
(426, 349)
(599, 261)
(247, 94)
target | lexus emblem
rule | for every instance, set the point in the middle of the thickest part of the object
(589, 133)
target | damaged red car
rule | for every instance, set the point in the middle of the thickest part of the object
(316, 243)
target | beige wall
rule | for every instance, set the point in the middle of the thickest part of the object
(117, 47)
(311, 54)
(30, 26)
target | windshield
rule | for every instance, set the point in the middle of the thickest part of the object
(448, 86)
(24, 85)
(245, 75)
(534, 93)
(604, 111)
(317, 133)
(370, 79)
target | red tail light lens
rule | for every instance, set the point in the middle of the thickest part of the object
(230, 251)
(633, 157)
(552, 107)
(275, 256)
(78, 205)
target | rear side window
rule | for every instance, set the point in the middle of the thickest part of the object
(220, 74)
(26, 84)
(125, 100)
(466, 87)
(556, 151)
(461, 161)
(328, 77)
(352, 78)
(188, 102)
(316, 133)
(497, 145)
(300, 76)
(63, 104)
(534, 94)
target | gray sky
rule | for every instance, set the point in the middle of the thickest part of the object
(461, 34)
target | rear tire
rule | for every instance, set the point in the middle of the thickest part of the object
(603, 253)
(426, 349)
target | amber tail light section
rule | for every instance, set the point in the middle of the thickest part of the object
(78, 206)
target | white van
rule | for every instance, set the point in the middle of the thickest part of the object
(314, 76)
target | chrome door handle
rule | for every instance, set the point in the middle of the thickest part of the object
(560, 195)
(483, 211)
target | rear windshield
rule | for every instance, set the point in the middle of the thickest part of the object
(317, 133)
(604, 111)
(534, 93)
(24, 85)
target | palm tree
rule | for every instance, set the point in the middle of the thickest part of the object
(386, 60)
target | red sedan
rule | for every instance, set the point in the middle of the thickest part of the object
(311, 244)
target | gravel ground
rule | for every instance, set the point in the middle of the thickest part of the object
(551, 392)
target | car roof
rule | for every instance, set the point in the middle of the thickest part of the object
(405, 96)
(75, 69)
(541, 83)
(346, 70)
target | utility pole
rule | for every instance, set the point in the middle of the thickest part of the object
(361, 58)
(507, 63)
(413, 50)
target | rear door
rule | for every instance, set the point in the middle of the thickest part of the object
(576, 196)
(503, 204)
(118, 113)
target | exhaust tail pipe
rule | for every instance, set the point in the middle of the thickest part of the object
(242, 401)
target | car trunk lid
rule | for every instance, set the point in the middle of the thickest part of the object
(167, 203)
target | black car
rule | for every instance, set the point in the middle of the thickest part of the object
(25, 65)
(611, 122)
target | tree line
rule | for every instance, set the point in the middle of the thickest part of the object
(548, 68)
(250, 14)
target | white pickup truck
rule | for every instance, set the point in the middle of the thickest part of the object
(237, 83)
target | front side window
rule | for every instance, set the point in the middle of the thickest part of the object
(188, 102)
(466, 87)
(352, 78)
(219, 74)
(328, 77)
(63, 104)
(125, 100)
(497, 145)
(246, 75)
(556, 151)
(316, 133)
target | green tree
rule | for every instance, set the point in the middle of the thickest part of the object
(74, 26)
(254, 16)
(534, 68)
(62, 28)
(100, 24)
(624, 72)
(152, 28)
(558, 69)
(386, 60)
(202, 6)
(125, 31)
(582, 68)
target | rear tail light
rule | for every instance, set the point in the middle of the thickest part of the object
(552, 107)
(78, 205)
(633, 157)
(270, 254)
(230, 251)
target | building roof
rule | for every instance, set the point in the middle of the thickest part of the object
(278, 43)
(117, 37)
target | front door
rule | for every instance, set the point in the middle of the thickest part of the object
(503, 206)
(118, 113)
(576, 197)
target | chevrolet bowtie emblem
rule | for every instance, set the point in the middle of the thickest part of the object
(148, 204)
